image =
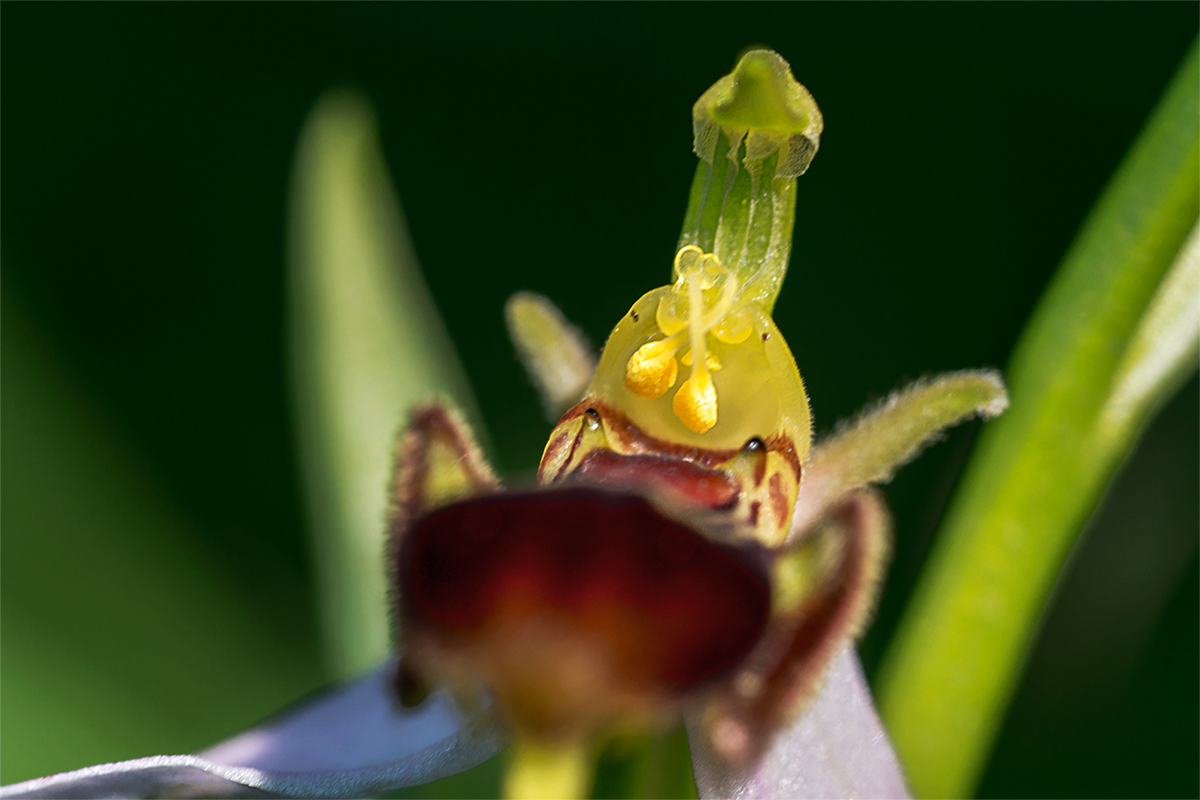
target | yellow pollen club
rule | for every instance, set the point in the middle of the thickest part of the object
(703, 301)
(652, 370)
(696, 403)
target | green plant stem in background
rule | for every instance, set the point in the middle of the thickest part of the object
(1085, 378)
(368, 344)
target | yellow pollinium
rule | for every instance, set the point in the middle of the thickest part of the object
(701, 363)
(703, 301)
(696, 402)
(652, 370)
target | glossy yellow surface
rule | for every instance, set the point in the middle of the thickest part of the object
(746, 384)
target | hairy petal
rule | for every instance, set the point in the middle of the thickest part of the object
(556, 354)
(837, 748)
(437, 462)
(352, 741)
(882, 439)
(825, 588)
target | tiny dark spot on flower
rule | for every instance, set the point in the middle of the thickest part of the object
(766, 336)
(633, 314)
(754, 443)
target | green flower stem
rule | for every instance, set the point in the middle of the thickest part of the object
(1041, 468)
(536, 771)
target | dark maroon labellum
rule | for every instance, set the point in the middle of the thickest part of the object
(673, 608)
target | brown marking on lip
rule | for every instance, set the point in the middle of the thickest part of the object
(778, 498)
(708, 487)
(574, 449)
(783, 445)
(754, 509)
(633, 440)
(668, 608)
(552, 449)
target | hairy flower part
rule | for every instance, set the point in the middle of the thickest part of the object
(658, 570)
(580, 609)
(618, 600)
(561, 359)
(825, 588)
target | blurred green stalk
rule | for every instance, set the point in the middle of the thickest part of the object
(1101, 353)
(367, 345)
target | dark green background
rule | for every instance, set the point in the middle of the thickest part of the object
(147, 151)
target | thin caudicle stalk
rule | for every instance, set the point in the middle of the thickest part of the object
(686, 316)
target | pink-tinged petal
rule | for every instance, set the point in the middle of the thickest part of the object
(156, 776)
(837, 748)
(351, 741)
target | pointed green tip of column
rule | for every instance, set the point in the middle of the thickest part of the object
(762, 98)
(760, 93)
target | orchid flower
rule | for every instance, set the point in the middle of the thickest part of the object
(687, 552)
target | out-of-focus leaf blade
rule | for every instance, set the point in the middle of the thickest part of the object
(367, 345)
(1039, 471)
(836, 748)
(120, 635)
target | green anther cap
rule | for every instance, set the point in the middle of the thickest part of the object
(755, 130)
(760, 97)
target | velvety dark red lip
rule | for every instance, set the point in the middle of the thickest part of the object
(709, 488)
(675, 608)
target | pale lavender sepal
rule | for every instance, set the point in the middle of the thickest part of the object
(837, 749)
(349, 742)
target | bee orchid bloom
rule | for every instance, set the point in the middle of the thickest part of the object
(686, 553)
